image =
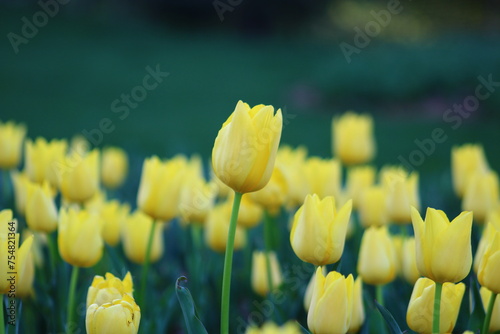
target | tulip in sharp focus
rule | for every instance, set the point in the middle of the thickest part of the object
(466, 160)
(372, 207)
(310, 289)
(160, 187)
(41, 210)
(353, 140)
(495, 318)
(332, 304)
(402, 193)
(324, 177)
(421, 306)
(120, 316)
(135, 234)
(319, 230)
(44, 161)
(80, 176)
(245, 149)
(11, 142)
(79, 237)
(443, 248)
(358, 310)
(217, 228)
(260, 282)
(481, 194)
(271, 328)
(377, 257)
(274, 194)
(114, 167)
(359, 178)
(488, 273)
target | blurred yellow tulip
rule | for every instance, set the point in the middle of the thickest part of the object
(359, 178)
(260, 282)
(377, 261)
(271, 328)
(135, 234)
(481, 194)
(333, 292)
(20, 183)
(372, 208)
(443, 248)
(114, 167)
(353, 139)
(488, 273)
(245, 149)
(106, 289)
(25, 268)
(80, 176)
(250, 214)
(79, 237)
(466, 160)
(41, 210)
(358, 310)
(486, 238)
(402, 193)
(120, 316)
(409, 261)
(160, 187)
(11, 144)
(113, 215)
(273, 196)
(421, 307)
(44, 161)
(495, 318)
(217, 228)
(324, 177)
(294, 160)
(319, 230)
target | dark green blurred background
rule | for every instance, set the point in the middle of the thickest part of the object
(285, 53)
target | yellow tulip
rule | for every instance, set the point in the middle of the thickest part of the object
(39, 243)
(79, 237)
(11, 143)
(25, 267)
(409, 261)
(465, 161)
(486, 238)
(41, 210)
(271, 328)
(495, 318)
(217, 228)
(481, 194)
(259, 272)
(20, 183)
(353, 140)
(324, 177)
(250, 214)
(80, 177)
(120, 316)
(135, 234)
(294, 160)
(488, 273)
(274, 194)
(377, 256)
(358, 310)
(9, 241)
(421, 306)
(196, 195)
(333, 292)
(359, 178)
(310, 289)
(160, 187)
(245, 148)
(106, 289)
(443, 249)
(114, 167)
(44, 161)
(402, 193)
(319, 230)
(113, 215)
(372, 207)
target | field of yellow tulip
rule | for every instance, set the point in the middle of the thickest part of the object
(263, 238)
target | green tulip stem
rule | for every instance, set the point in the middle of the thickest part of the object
(145, 267)
(196, 231)
(71, 300)
(228, 263)
(437, 308)
(379, 294)
(53, 252)
(268, 221)
(489, 312)
(2, 321)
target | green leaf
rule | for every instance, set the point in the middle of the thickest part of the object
(389, 319)
(193, 323)
(304, 330)
(476, 305)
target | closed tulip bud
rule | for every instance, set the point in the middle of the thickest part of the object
(114, 167)
(19, 182)
(221, 189)
(358, 309)
(310, 289)
(160, 187)
(319, 230)
(353, 140)
(106, 289)
(481, 194)
(80, 178)
(121, 316)
(443, 248)
(421, 307)
(25, 268)
(260, 282)
(274, 194)
(11, 143)
(135, 234)
(197, 195)
(489, 267)
(113, 215)
(466, 160)
(217, 228)
(333, 292)
(486, 238)
(495, 315)
(245, 148)
(372, 208)
(324, 177)
(402, 193)
(377, 257)
(41, 210)
(79, 237)
(294, 160)
(45, 161)
(271, 328)
(359, 178)
(409, 261)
